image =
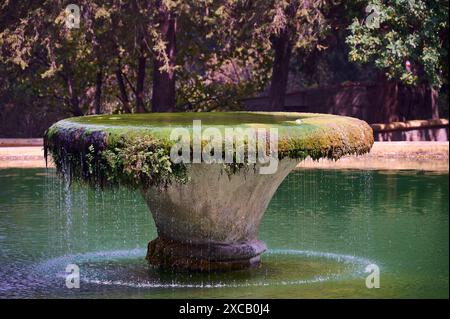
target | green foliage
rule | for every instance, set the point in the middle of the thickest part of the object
(246, 31)
(136, 162)
(141, 162)
(225, 48)
(62, 63)
(406, 31)
(198, 94)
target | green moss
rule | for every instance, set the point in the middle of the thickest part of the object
(134, 150)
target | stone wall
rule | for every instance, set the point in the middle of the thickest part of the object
(371, 102)
(375, 103)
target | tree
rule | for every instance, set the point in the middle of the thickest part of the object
(408, 42)
(296, 25)
(269, 33)
(35, 37)
(116, 43)
(164, 61)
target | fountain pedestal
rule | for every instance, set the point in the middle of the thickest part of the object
(168, 253)
(212, 221)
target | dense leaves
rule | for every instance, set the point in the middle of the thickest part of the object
(205, 55)
(407, 40)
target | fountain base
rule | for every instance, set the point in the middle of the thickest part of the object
(172, 254)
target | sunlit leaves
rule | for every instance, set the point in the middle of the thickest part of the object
(411, 31)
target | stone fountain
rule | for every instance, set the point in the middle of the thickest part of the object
(207, 214)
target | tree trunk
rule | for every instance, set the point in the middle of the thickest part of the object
(280, 71)
(401, 102)
(123, 91)
(74, 101)
(140, 108)
(418, 102)
(388, 108)
(434, 103)
(163, 99)
(98, 92)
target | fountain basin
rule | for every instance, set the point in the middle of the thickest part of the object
(207, 216)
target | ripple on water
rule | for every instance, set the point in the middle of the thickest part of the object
(127, 268)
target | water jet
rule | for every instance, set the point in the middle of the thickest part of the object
(207, 214)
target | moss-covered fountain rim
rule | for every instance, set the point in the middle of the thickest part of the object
(134, 149)
(312, 134)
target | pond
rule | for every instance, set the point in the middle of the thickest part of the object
(322, 228)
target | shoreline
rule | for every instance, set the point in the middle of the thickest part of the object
(425, 156)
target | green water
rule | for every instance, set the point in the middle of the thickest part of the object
(322, 229)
